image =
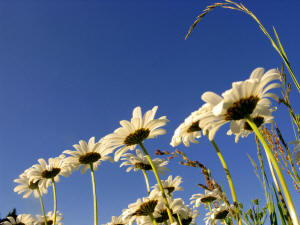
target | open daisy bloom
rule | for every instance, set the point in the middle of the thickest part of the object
(170, 185)
(140, 162)
(22, 219)
(49, 217)
(135, 131)
(144, 207)
(207, 198)
(240, 102)
(219, 214)
(44, 173)
(88, 153)
(28, 186)
(117, 221)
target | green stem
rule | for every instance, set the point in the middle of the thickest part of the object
(153, 219)
(42, 206)
(55, 201)
(147, 181)
(230, 182)
(179, 219)
(209, 206)
(277, 169)
(159, 182)
(94, 194)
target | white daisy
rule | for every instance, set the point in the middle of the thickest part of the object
(219, 214)
(87, 153)
(44, 172)
(49, 217)
(244, 99)
(140, 162)
(118, 221)
(170, 185)
(22, 219)
(208, 197)
(241, 128)
(160, 213)
(135, 131)
(188, 216)
(143, 207)
(28, 186)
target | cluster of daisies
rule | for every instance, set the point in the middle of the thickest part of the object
(144, 210)
(246, 99)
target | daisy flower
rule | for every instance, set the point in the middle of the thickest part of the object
(117, 221)
(208, 197)
(140, 162)
(136, 131)
(28, 186)
(22, 219)
(44, 173)
(245, 97)
(143, 207)
(49, 217)
(241, 128)
(170, 185)
(87, 153)
(188, 216)
(219, 214)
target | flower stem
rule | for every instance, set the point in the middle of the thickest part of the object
(42, 205)
(277, 169)
(158, 181)
(230, 182)
(147, 181)
(55, 201)
(179, 219)
(94, 194)
(153, 219)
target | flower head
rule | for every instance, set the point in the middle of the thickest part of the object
(245, 99)
(170, 185)
(117, 221)
(49, 217)
(143, 207)
(208, 197)
(44, 172)
(88, 153)
(22, 219)
(140, 162)
(28, 186)
(135, 131)
(219, 214)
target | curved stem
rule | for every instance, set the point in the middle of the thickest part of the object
(229, 179)
(95, 195)
(147, 181)
(159, 182)
(42, 205)
(153, 219)
(278, 171)
(55, 201)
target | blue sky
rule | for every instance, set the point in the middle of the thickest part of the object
(70, 70)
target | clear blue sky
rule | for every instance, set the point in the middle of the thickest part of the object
(70, 70)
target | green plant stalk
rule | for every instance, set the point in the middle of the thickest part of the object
(94, 195)
(277, 187)
(230, 182)
(55, 201)
(42, 205)
(158, 181)
(152, 219)
(147, 181)
(179, 219)
(278, 171)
